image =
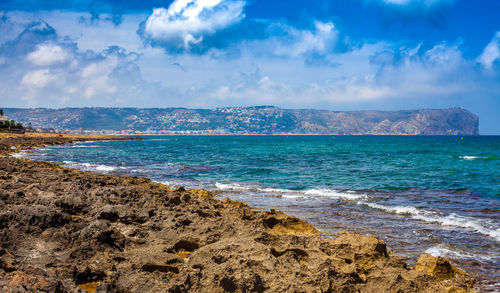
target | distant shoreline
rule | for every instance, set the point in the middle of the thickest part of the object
(260, 120)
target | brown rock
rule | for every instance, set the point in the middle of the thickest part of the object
(436, 265)
(278, 222)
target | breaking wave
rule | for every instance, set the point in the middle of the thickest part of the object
(288, 193)
(453, 220)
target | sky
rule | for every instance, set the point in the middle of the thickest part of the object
(324, 54)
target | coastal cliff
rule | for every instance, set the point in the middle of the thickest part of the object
(251, 120)
(66, 230)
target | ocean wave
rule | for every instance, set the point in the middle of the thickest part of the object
(85, 146)
(442, 250)
(350, 195)
(288, 193)
(453, 220)
(92, 167)
(233, 186)
(400, 210)
(105, 168)
(469, 158)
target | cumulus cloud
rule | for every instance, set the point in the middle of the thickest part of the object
(48, 54)
(322, 40)
(185, 23)
(26, 42)
(49, 68)
(219, 27)
(38, 78)
(491, 53)
(368, 75)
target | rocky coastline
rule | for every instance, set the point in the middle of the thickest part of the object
(66, 230)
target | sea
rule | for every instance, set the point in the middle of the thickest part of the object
(421, 194)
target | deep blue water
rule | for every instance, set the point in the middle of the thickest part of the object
(432, 194)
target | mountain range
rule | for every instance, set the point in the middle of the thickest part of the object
(250, 120)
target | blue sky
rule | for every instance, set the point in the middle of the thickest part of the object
(335, 54)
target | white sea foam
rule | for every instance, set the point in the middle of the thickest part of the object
(452, 220)
(469, 158)
(230, 186)
(442, 250)
(92, 167)
(401, 210)
(85, 146)
(105, 168)
(233, 186)
(288, 193)
(334, 193)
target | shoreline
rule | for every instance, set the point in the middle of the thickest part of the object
(130, 234)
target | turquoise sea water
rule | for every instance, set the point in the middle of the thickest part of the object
(439, 195)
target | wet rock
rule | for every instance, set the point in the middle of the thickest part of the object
(436, 265)
(454, 279)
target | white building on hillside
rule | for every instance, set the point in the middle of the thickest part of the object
(3, 120)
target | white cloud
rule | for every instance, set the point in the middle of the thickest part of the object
(48, 54)
(53, 71)
(95, 77)
(38, 78)
(320, 41)
(444, 55)
(186, 22)
(491, 53)
(409, 75)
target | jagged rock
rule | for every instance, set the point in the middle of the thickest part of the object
(445, 271)
(280, 223)
(438, 266)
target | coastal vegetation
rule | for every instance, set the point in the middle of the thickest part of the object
(7, 125)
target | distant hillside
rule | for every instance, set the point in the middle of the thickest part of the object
(253, 120)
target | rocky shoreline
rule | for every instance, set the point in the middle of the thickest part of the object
(66, 230)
